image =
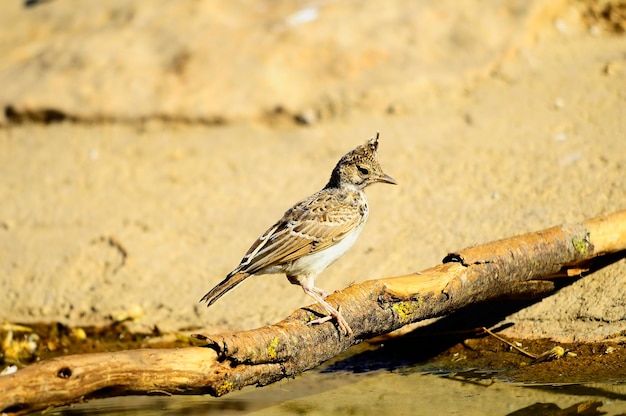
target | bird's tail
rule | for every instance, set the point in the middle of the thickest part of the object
(224, 286)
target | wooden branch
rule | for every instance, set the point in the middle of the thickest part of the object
(513, 266)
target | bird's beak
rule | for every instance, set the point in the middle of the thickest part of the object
(387, 179)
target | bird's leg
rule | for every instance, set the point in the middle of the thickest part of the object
(306, 282)
(332, 312)
(320, 292)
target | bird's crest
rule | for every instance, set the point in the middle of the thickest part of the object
(367, 151)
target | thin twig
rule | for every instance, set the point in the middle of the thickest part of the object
(499, 338)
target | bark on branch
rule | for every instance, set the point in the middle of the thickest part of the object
(514, 266)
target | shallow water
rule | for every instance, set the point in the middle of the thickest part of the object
(378, 392)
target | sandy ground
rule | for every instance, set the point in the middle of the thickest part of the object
(494, 120)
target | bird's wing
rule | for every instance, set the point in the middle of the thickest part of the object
(312, 225)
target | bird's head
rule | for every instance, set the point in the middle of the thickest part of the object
(360, 168)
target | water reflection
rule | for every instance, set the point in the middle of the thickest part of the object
(153, 405)
(377, 392)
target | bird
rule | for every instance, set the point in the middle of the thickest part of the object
(315, 232)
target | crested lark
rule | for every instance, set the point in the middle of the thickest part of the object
(315, 232)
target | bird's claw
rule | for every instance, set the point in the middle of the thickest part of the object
(336, 315)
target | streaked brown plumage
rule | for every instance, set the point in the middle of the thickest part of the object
(315, 232)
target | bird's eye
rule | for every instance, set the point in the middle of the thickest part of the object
(362, 170)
